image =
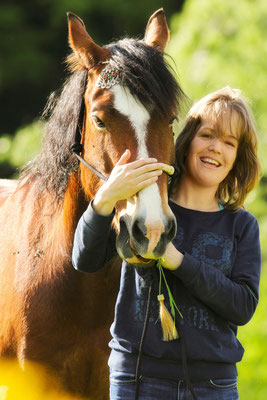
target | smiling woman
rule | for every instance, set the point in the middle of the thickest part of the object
(222, 127)
(210, 151)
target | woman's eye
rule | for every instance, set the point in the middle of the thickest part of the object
(230, 144)
(206, 135)
(99, 124)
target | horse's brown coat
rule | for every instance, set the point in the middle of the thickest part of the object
(49, 312)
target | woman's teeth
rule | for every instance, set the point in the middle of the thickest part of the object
(210, 161)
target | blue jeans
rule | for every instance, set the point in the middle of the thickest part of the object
(122, 387)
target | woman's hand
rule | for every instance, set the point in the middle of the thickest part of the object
(172, 258)
(125, 180)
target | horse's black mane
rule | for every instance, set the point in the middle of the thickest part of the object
(142, 69)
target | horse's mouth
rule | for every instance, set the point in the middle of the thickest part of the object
(143, 260)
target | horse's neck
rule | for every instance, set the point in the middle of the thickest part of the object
(53, 223)
(73, 206)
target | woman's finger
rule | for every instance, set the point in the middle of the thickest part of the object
(147, 182)
(148, 175)
(124, 158)
(141, 162)
(151, 167)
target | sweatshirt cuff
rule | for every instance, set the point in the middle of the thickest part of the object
(188, 270)
(90, 216)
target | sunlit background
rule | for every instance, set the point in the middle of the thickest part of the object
(213, 44)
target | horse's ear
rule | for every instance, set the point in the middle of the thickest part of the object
(157, 31)
(86, 50)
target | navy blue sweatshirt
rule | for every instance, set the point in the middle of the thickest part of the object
(216, 289)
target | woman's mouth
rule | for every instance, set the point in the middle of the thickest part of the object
(210, 162)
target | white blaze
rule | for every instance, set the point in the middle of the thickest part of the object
(149, 198)
(127, 105)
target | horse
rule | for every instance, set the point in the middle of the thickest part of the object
(49, 312)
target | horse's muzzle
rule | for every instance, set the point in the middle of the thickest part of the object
(136, 239)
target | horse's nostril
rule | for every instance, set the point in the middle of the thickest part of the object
(170, 230)
(139, 230)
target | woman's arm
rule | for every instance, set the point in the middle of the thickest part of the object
(234, 298)
(94, 241)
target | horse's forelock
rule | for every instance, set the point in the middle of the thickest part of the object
(147, 74)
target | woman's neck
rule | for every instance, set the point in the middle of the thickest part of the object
(195, 197)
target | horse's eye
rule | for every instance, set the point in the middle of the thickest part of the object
(98, 123)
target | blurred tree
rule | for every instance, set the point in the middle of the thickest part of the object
(34, 44)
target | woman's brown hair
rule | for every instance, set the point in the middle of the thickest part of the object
(229, 111)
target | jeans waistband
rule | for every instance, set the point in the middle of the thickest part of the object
(198, 370)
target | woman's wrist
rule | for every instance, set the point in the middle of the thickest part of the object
(103, 205)
(172, 258)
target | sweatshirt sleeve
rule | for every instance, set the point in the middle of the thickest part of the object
(234, 298)
(94, 241)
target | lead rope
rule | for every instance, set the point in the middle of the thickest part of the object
(184, 362)
(168, 324)
(167, 320)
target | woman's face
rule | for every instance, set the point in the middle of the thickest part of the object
(211, 156)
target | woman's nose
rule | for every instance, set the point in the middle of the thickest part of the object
(216, 145)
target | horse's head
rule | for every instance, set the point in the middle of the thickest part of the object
(135, 113)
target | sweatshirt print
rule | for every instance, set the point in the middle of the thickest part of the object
(215, 288)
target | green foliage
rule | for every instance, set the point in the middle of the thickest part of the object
(24, 146)
(256, 201)
(5, 147)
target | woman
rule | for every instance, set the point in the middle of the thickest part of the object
(212, 266)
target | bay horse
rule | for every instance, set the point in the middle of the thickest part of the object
(49, 312)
